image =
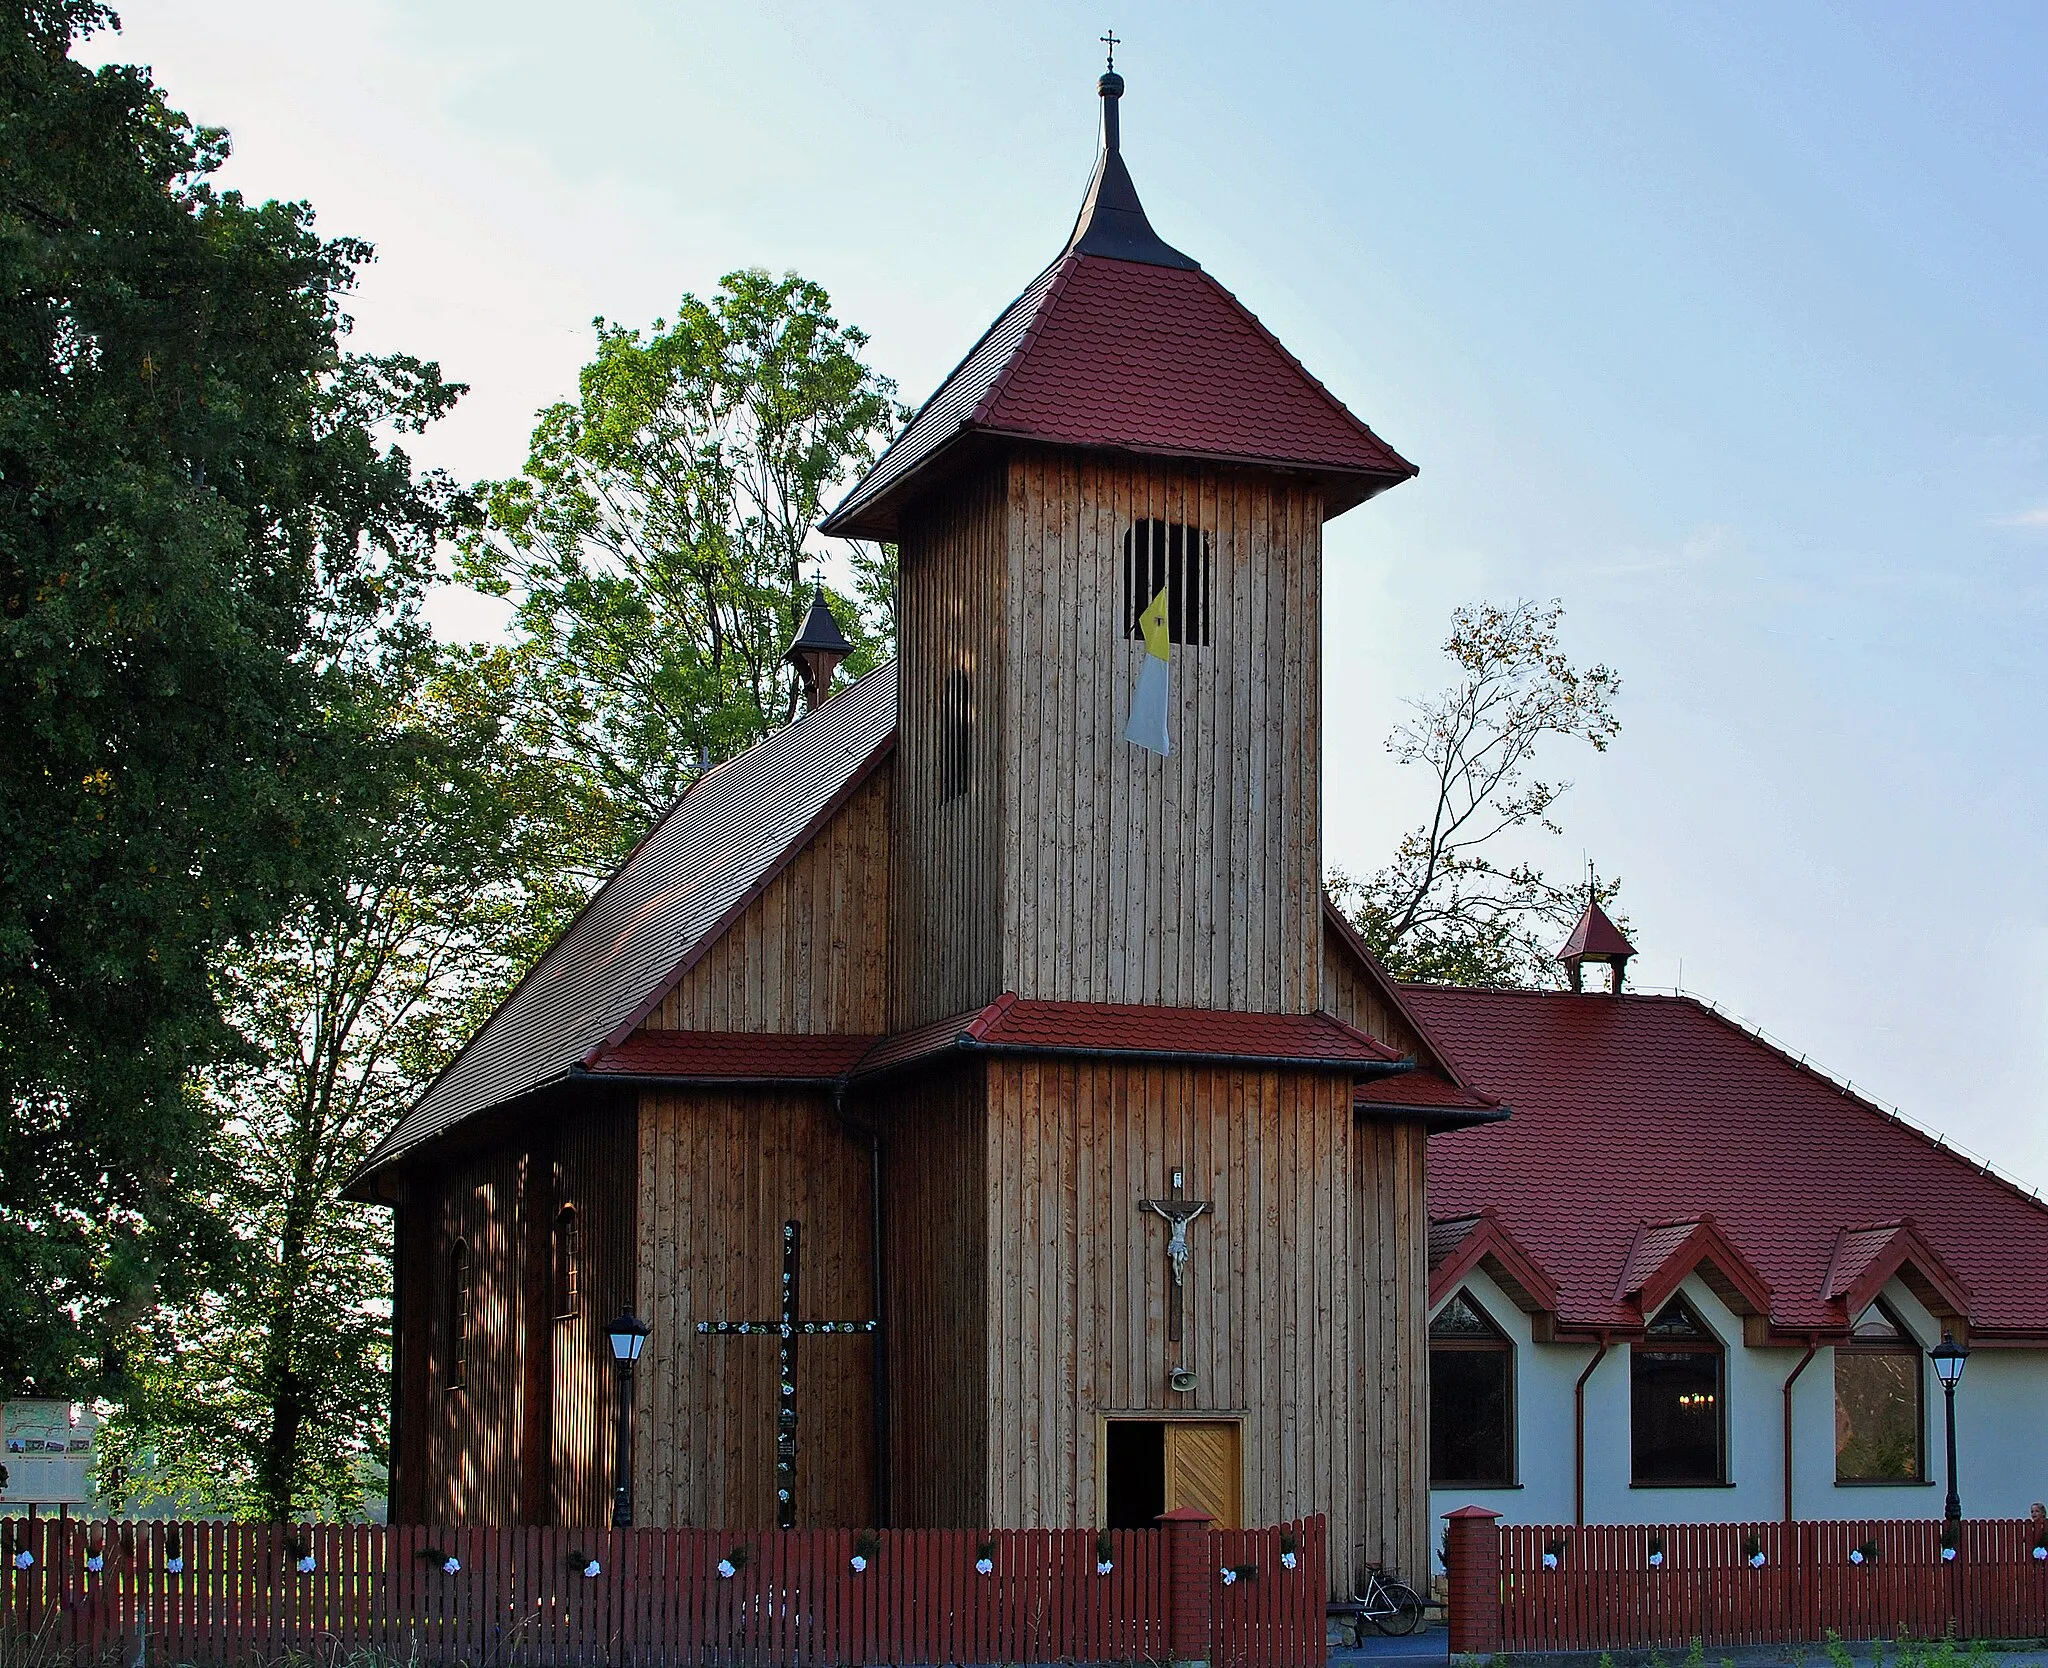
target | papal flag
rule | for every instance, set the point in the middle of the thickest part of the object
(1148, 706)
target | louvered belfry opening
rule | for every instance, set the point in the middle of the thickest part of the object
(1174, 556)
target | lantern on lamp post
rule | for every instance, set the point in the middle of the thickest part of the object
(628, 1337)
(1949, 1358)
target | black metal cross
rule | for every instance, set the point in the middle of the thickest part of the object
(788, 1329)
(1178, 1212)
(1109, 40)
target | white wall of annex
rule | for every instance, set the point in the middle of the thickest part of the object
(2001, 1420)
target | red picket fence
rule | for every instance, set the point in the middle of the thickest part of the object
(1605, 1593)
(519, 1595)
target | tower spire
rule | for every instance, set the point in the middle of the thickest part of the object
(1112, 221)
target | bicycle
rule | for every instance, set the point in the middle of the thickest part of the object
(1390, 1604)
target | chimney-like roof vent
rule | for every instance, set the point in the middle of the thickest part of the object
(1596, 938)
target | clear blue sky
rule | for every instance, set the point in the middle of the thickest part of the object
(1723, 323)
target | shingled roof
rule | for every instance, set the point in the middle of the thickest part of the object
(1647, 1128)
(704, 862)
(1125, 343)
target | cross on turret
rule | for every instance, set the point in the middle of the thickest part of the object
(1109, 40)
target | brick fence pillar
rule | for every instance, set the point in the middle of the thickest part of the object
(1190, 1578)
(1473, 1564)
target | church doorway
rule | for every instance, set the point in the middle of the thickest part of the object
(1158, 1465)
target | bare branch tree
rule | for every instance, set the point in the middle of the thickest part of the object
(1450, 906)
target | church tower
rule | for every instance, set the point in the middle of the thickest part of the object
(1109, 525)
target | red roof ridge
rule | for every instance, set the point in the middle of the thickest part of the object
(1388, 986)
(1856, 1276)
(1701, 1246)
(1488, 1244)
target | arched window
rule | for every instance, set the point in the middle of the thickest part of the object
(1471, 1399)
(1678, 1401)
(1171, 557)
(458, 1315)
(1878, 1417)
(956, 735)
(568, 1265)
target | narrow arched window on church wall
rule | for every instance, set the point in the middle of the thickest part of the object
(956, 735)
(457, 1324)
(1471, 1399)
(1678, 1402)
(1879, 1421)
(568, 1273)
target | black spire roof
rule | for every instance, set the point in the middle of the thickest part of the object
(1112, 220)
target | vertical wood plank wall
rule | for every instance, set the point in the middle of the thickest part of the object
(594, 1171)
(811, 954)
(471, 1434)
(936, 1222)
(945, 850)
(720, 1172)
(1193, 880)
(1305, 1288)
(1353, 998)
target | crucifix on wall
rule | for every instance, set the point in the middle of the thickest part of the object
(1178, 1212)
(788, 1330)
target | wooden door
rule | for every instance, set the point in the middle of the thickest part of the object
(1203, 1468)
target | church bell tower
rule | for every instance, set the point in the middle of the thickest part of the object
(1109, 528)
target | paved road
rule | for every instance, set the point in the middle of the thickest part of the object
(1432, 1647)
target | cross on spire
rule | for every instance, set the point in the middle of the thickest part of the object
(1109, 40)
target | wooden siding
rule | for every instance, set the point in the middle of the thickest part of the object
(945, 848)
(720, 1171)
(935, 1220)
(593, 1171)
(1305, 1290)
(1193, 880)
(470, 1439)
(811, 954)
(1354, 998)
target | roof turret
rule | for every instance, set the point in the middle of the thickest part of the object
(1596, 938)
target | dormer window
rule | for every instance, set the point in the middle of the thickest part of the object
(1878, 1418)
(1678, 1402)
(1174, 557)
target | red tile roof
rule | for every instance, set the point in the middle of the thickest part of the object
(1458, 1245)
(1865, 1258)
(733, 1056)
(1136, 357)
(1011, 1024)
(1631, 1111)
(1423, 1087)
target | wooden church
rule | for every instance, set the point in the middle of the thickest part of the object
(970, 1085)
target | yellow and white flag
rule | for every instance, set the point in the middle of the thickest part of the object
(1147, 727)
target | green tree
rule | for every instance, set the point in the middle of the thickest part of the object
(1448, 907)
(191, 478)
(654, 546)
(266, 1397)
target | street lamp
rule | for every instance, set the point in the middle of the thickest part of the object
(1949, 1358)
(628, 1336)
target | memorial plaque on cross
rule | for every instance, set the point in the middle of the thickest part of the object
(787, 1330)
(1178, 1212)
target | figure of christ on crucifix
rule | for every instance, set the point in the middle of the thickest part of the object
(788, 1330)
(1178, 1212)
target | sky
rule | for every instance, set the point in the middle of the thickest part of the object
(1724, 324)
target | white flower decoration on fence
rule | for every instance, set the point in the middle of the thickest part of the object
(987, 1566)
(592, 1570)
(1856, 1555)
(24, 1560)
(1550, 1560)
(176, 1566)
(1948, 1555)
(2041, 1554)
(1229, 1577)
(727, 1569)
(1656, 1560)
(1756, 1560)
(451, 1565)
(859, 1563)
(95, 1563)
(1103, 1566)
(1287, 1560)
(308, 1564)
